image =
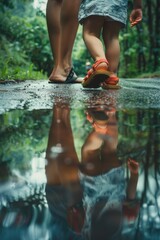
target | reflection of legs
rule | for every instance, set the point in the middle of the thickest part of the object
(99, 152)
(92, 144)
(109, 149)
(91, 159)
(62, 170)
(91, 149)
(61, 154)
(110, 36)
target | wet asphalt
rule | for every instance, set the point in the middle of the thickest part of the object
(39, 94)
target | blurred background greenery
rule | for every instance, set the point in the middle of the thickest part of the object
(25, 50)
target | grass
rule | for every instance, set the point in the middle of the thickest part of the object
(21, 73)
(150, 75)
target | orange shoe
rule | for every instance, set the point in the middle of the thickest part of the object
(96, 75)
(111, 83)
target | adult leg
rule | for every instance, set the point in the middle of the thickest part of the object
(69, 26)
(53, 11)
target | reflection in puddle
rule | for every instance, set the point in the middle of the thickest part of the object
(83, 174)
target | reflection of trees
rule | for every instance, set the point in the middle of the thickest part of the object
(139, 134)
(140, 138)
(80, 128)
(23, 135)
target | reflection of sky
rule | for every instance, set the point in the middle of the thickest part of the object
(40, 4)
(36, 174)
(38, 169)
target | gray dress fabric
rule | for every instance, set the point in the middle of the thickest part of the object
(110, 187)
(116, 10)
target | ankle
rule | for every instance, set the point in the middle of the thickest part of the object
(67, 69)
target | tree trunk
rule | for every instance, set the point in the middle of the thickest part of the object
(157, 35)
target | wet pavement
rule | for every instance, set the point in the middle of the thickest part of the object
(32, 95)
(80, 163)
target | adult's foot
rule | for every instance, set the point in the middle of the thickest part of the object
(58, 75)
(66, 76)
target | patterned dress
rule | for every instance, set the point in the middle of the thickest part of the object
(115, 10)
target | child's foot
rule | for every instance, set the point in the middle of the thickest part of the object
(97, 74)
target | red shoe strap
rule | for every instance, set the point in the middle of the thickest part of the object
(99, 62)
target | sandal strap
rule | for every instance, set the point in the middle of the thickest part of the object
(90, 71)
(112, 80)
(95, 65)
(71, 76)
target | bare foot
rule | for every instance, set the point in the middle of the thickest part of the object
(58, 75)
(79, 79)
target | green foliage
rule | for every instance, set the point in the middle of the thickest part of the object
(25, 51)
(140, 45)
(14, 64)
(23, 135)
(25, 48)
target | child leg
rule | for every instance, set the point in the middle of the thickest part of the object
(92, 27)
(111, 41)
(110, 34)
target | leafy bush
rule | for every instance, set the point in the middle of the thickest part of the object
(25, 51)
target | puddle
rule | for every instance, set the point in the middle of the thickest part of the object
(85, 172)
(79, 163)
